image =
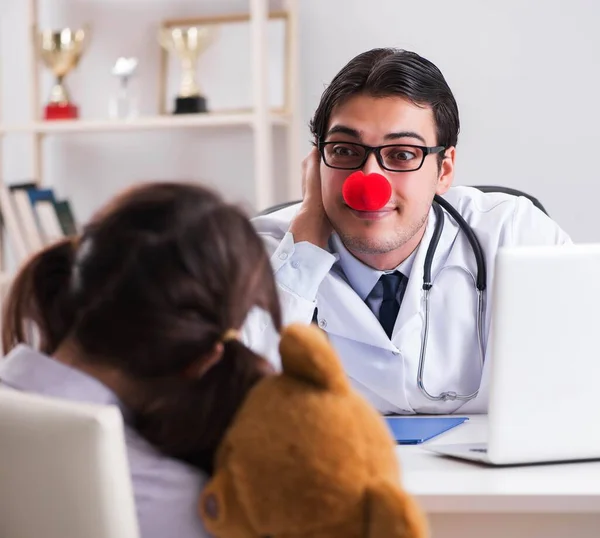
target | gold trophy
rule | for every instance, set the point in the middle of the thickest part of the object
(60, 51)
(187, 43)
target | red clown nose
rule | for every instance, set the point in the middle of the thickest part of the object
(366, 192)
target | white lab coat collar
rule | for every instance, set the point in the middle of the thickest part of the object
(361, 277)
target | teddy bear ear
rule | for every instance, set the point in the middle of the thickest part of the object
(393, 513)
(306, 354)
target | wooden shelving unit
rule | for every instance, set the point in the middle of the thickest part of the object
(205, 121)
(259, 120)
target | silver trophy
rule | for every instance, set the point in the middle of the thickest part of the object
(123, 104)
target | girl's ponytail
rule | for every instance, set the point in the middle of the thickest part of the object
(38, 301)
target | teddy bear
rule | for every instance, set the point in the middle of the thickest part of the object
(307, 457)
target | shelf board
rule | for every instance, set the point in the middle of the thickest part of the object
(142, 123)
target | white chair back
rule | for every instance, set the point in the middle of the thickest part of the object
(63, 470)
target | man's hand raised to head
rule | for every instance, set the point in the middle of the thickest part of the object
(311, 223)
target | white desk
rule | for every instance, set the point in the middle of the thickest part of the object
(469, 500)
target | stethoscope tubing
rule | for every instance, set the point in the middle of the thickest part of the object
(480, 284)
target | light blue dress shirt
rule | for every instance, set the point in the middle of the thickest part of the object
(364, 280)
(166, 491)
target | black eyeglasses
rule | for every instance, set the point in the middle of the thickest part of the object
(392, 157)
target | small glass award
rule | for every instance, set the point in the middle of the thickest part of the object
(123, 105)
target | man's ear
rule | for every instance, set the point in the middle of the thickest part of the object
(446, 173)
(392, 513)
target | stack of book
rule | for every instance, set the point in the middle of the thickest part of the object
(33, 217)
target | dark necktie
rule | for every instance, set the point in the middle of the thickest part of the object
(388, 312)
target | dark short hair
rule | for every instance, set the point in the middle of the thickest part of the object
(392, 72)
(149, 288)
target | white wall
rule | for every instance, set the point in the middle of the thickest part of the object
(526, 75)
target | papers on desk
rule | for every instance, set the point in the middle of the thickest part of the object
(416, 430)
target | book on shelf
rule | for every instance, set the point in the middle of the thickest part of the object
(33, 217)
(37, 194)
(32, 234)
(66, 217)
(12, 227)
(48, 222)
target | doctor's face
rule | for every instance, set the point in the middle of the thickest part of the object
(384, 238)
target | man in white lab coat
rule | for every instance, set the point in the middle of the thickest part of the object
(359, 273)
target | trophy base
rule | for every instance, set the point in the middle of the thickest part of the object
(61, 111)
(190, 105)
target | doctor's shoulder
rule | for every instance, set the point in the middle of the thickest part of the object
(272, 226)
(511, 220)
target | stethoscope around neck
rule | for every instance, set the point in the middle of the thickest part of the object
(480, 285)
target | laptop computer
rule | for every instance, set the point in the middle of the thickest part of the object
(545, 358)
(63, 470)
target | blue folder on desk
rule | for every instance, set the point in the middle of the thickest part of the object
(415, 430)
